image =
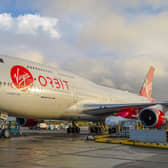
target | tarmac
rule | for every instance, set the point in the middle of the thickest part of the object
(50, 150)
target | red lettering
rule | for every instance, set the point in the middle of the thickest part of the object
(62, 84)
(66, 83)
(51, 82)
(57, 83)
(42, 81)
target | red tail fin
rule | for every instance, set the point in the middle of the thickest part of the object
(146, 90)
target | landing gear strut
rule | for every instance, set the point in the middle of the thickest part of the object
(73, 128)
(4, 131)
(97, 128)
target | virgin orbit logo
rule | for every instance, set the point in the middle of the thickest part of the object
(21, 77)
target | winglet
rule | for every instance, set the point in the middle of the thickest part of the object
(146, 89)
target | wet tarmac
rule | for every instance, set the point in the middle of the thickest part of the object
(41, 151)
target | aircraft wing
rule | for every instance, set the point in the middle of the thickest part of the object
(107, 109)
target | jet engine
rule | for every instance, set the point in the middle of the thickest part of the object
(152, 117)
(113, 121)
(26, 122)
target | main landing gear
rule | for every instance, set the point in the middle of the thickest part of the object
(112, 130)
(73, 128)
(98, 127)
(4, 131)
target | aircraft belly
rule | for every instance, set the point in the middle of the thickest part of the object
(26, 105)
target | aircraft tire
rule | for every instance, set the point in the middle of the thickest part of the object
(109, 130)
(69, 130)
(77, 130)
(73, 130)
(6, 133)
(96, 130)
(92, 130)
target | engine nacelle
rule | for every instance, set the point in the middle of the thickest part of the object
(26, 122)
(113, 121)
(152, 117)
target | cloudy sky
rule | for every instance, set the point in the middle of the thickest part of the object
(110, 42)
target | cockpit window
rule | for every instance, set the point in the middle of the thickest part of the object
(1, 60)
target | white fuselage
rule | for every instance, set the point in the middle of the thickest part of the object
(52, 93)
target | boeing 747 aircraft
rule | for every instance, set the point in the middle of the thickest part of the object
(31, 91)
